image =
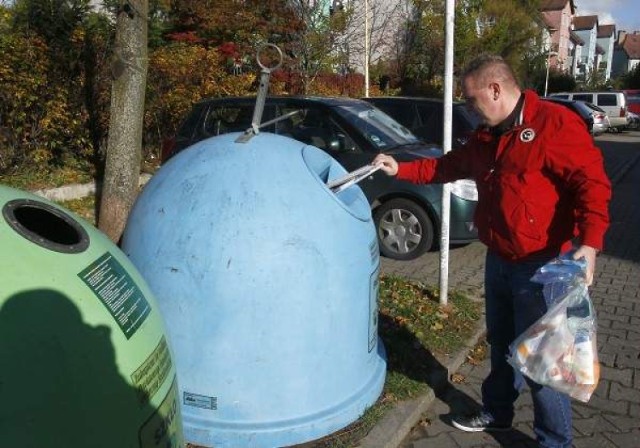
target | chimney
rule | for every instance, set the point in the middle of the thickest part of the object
(622, 35)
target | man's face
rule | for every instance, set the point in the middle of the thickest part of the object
(483, 99)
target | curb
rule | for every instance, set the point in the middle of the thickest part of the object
(77, 191)
(396, 425)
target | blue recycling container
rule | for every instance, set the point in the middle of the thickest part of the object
(268, 282)
(84, 357)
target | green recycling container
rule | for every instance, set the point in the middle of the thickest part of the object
(85, 360)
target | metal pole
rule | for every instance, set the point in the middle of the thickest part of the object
(366, 48)
(546, 79)
(448, 119)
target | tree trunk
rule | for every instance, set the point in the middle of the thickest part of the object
(124, 146)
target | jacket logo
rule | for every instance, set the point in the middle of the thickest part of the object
(527, 135)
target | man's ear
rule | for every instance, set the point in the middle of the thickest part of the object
(495, 90)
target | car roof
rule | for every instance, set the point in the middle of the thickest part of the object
(416, 99)
(577, 105)
(326, 100)
(588, 92)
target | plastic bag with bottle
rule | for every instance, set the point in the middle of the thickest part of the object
(559, 350)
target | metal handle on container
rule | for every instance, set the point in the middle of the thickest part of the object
(263, 90)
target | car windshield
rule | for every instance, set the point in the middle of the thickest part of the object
(379, 128)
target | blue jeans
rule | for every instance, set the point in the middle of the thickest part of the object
(513, 303)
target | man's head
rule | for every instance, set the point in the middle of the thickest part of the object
(490, 88)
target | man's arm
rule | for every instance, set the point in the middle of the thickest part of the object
(572, 157)
(452, 166)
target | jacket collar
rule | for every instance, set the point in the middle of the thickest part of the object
(528, 111)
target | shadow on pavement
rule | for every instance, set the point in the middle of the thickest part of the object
(406, 355)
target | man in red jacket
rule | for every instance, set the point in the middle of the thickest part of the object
(542, 190)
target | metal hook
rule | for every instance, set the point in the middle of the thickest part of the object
(264, 67)
(262, 93)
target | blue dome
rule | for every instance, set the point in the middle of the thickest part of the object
(268, 283)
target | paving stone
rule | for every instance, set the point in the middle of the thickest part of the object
(623, 423)
(618, 393)
(622, 376)
(605, 405)
(625, 439)
(592, 425)
(624, 326)
(596, 441)
(634, 410)
(475, 439)
(624, 361)
(607, 316)
(439, 441)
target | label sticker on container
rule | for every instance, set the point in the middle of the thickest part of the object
(373, 308)
(200, 401)
(163, 428)
(150, 376)
(115, 288)
(374, 251)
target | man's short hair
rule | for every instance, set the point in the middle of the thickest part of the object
(489, 66)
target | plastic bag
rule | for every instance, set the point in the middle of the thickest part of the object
(559, 350)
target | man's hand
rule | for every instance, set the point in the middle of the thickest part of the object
(589, 253)
(387, 164)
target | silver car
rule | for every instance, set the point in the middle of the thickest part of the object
(601, 123)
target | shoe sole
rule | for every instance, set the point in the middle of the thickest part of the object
(469, 429)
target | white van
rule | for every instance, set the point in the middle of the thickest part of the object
(613, 102)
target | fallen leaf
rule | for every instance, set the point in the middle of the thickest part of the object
(456, 378)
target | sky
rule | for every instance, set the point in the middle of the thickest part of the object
(624, 13)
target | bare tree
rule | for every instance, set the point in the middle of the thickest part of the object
(129, 67)
(385, 18)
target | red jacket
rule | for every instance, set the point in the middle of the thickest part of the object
(540, 184)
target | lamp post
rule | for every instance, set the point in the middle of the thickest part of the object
(546, 79)
(550, 53)
(366, 48)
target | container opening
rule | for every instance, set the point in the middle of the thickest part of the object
(325, 169)
(45, 225)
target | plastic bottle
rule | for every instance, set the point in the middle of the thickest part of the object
(583, 361)
(581, 323)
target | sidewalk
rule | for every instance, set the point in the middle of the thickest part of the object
(467, 274)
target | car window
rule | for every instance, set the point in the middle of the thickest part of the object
(583, 97)
(607, 99)
(403, 113)
(555, 95)
(314, 126)
(431, 123)
(377, 127)
(464, 123)
(187, 128)
(222, 119)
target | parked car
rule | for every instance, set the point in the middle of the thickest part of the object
(425, 117)
(601, 123)
(633, 104)
(578, 107)
(634, 121)
(407, 216)
(613, 102)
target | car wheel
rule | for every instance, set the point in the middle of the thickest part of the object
(405, 230)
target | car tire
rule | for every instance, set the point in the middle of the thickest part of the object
(404, 228)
